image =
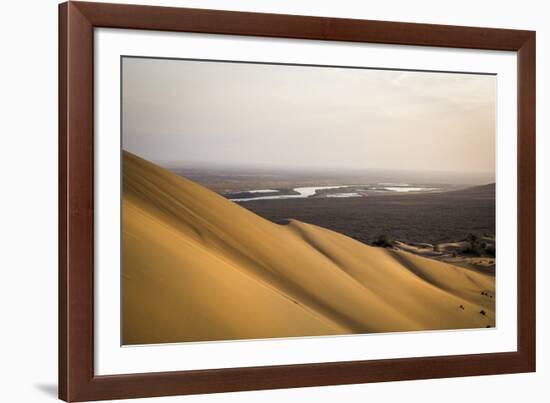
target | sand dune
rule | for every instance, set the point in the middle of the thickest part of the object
(199, 267)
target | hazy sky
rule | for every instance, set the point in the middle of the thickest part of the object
(183, 113)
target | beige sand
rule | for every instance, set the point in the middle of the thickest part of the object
(199, 267)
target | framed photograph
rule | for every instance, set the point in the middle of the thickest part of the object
(254, 201)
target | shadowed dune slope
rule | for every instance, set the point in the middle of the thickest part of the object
(198, 267)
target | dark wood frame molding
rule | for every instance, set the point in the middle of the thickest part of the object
(77, 21)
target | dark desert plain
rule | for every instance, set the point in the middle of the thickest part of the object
(420, 218)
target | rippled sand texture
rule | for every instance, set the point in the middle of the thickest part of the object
(198, 267)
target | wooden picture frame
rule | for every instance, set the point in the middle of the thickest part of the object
(77, 381)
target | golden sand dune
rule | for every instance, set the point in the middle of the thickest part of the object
(197, 266)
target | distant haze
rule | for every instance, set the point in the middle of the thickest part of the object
(180, 113)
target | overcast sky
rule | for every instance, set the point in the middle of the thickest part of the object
(181, 113)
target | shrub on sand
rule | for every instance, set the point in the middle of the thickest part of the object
(384, 241)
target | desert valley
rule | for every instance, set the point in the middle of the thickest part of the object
(200, 267)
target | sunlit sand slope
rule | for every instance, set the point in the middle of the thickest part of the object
(199, 267)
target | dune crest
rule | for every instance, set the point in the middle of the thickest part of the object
(199, 267)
